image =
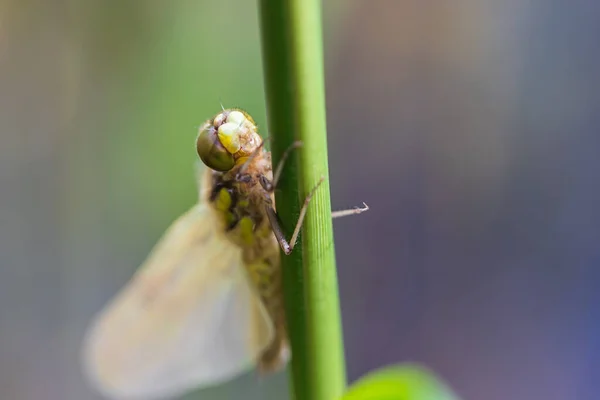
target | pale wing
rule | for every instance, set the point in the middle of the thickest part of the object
(188, 318)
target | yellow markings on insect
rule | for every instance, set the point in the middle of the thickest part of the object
(247, 230)
(241, 160)
(261, 273)
(229, 137)
(243, 203)
(229, 132)
(224, 200)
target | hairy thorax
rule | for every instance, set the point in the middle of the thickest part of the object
(241, 201)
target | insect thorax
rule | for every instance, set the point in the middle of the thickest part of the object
(241, 203)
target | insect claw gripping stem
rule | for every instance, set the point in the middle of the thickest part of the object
(286, 246)
(350, 211)
(303, 214)
(269, 186)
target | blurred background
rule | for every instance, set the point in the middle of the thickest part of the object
(469, 127)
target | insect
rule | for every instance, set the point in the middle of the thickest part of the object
(206, 305)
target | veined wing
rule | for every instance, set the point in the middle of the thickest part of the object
(188, 318)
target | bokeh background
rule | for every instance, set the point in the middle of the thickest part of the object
(469, 127)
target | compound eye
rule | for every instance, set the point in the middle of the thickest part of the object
(211, 151)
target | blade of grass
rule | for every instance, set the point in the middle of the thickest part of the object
(293, 71)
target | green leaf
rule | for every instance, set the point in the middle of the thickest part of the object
(400, 382)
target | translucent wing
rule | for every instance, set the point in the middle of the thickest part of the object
(188, 318)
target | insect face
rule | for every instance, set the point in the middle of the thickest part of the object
(227, 139)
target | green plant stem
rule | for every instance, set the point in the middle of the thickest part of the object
(293, 68)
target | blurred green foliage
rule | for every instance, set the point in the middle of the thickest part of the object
(401, 382)
(151, 74)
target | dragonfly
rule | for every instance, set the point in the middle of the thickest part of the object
(206, 305)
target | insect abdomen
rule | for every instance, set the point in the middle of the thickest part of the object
(266, 277)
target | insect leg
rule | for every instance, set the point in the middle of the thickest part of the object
(350, 211)
(270, 186)
(276, 228)
(286, 246)
(282, 161)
